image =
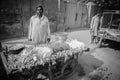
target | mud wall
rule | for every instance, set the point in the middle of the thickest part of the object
(15, 15)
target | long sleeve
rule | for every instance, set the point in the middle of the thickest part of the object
(101, 21)
(49, 32)
(30, 30)
(91, 24)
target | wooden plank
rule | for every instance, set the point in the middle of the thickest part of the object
(5, 63)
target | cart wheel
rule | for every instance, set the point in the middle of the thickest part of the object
(69, 68)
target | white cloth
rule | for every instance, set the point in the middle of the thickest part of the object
(101, 21)
(89, 7)
(95, 23)
(39, 29)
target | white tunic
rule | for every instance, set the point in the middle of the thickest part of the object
(95, 23)
(39, 29)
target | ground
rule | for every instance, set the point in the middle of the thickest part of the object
(97, 64)
(107, 59)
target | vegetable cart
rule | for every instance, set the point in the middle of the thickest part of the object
(28, 62)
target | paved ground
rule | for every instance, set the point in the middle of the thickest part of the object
(94, 65)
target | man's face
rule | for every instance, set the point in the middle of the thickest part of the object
(39, 11)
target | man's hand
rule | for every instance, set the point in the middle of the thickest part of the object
(48, 39)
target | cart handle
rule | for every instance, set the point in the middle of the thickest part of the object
(4, 61)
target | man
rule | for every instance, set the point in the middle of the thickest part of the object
(39, 30)
(90, 8)
(95, 24)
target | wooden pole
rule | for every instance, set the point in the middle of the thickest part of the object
(59, 2)
(30, 8)
(58, 15)
(21, 15)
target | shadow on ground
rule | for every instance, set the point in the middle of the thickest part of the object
(112, 44)
(88, 64)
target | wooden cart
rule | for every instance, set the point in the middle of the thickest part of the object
(110, 29)
(59, 70)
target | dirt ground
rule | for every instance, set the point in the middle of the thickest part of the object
(97, 64)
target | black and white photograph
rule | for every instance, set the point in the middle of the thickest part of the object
(59, 39)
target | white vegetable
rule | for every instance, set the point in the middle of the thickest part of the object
(75, 44)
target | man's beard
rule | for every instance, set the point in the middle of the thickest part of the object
(40, 14)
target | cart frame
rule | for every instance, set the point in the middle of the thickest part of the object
(103, 33)
(52, 75)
